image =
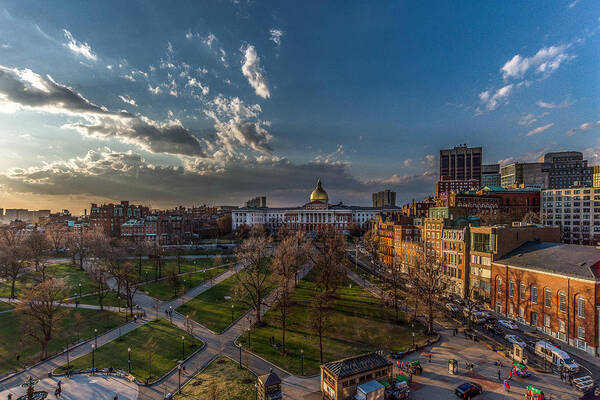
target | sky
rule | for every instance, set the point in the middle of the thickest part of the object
(215, 102)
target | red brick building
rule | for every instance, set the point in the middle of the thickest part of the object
(110, 217)
(553, 287)
(517, 202)
(418, 208)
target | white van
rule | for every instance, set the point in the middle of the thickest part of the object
(556, 356)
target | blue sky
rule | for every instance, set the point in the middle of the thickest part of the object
(215, 102)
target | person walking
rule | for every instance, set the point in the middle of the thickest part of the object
(506, 386)
(499, 375)
(571, 378)
(430, 357)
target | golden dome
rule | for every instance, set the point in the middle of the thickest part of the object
(319, 193)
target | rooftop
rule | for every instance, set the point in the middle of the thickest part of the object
(355, 365)
(566, 259)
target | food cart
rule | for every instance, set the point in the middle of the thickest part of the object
(532, 393)
(401, 390)
(452, 366)
(520, 370)
(415, 367)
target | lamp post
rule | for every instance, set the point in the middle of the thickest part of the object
(232, 313)
(179, 371)
(183, 347)
(80, 289)
(248, 330)
(96, 337)
(129, 360)
(241, 356)
(302, 362)
(413, 334)
(171, 313)
(93, 359)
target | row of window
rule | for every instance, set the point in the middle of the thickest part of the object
(562, 297)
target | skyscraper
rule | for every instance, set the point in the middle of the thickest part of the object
(460, 168)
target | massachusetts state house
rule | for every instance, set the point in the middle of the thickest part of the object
(311, 217)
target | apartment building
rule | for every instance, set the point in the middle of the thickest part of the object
(576, 210)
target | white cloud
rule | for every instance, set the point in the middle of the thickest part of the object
(276, 35)
(209, 40)
(109, 67)
(583, 127)
(544, 104)
(170, 50)
(252, 70)
(539, 129)
(192, 82)
(527, 120)
(223, 58)
(573, 3)
(408, 162)
(79, 48)
(4, 45)
(501, 95)
(484, 96)
(545, 61)
(428, 161)
(155, 91)
(128, 100)
(129, 77)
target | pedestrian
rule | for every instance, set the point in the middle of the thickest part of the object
(429, 357)
(499, 375)
(570, 379)
(506, 386)
(59, 383)
(510, 375)
(402, 365)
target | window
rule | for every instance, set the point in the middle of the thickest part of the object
(581, 307)
(547, 298)
(510, 309)
(511, 289)
(581, 333)
(534, 294)
(547, 321)
(522, 291)
(499, 285)
(521, 312)
(562, 302)
(561, 326)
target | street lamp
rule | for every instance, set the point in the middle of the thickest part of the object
(96, 337)
(241, 355)
(413, 334)
(80, 289)
(183, 347)
(302, 362)
(179, 371)
(93, 358)
(232, 314)
(248, 330)
(129, 359)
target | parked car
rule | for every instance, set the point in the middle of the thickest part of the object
(468, 390)
(508, 324)
(452, 308)
(493, 328)
(516, 340)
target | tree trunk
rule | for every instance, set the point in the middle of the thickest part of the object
(12, 288)
(430, 317)
(321, 346)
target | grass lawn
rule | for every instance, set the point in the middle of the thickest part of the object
(110, 299)
(211, 309)
(68, 272)
(5, 306)
(359, 324)
(12, 341)
(167, 352)
(225, 375)
(148, 266)
(163, 290)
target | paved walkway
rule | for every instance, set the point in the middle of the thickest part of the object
(80, 387)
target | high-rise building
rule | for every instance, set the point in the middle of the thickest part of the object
(384, 199)
(460, 169)
(576, 210)
(257, 202)
(566, 168)
(519, 175)
(490, 175)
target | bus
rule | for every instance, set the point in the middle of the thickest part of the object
(555, 356)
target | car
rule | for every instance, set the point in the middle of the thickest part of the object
(451, 307)
(493, 328)
(508, 324)
(516, 340)
(468, 390)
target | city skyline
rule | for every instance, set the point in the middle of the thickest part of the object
(232, 100)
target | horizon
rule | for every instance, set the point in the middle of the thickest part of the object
(232, 100)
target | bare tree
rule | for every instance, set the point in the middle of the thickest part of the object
(217, 260)
(429, 283)
(41, 309)
(13, 254)
(141, 249)
(157, 252)
(319, 318)
(172, 279)
(150, 348)
(57, 236)
(100, 275)
(252, 281)
(37, 248)
(189, 326)
(329, 252)
(81, 243)
(370, 242)
(290, 255)
(395, 282)
(224, 225)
